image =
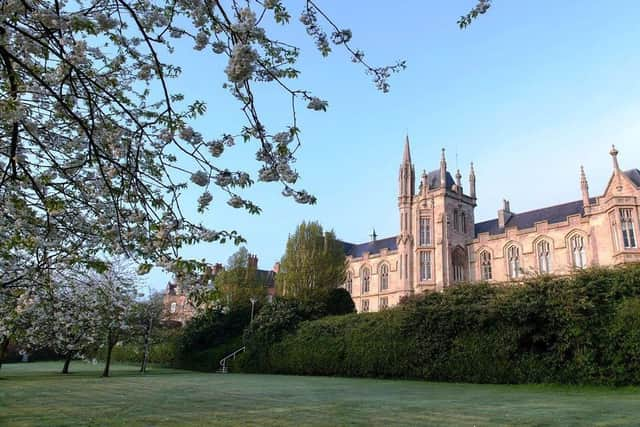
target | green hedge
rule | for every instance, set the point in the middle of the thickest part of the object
(583, 328)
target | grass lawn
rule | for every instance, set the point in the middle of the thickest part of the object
(35, 394)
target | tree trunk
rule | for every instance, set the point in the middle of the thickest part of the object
(65, 369)
(110, 345)
(3, 350)
(145, 353)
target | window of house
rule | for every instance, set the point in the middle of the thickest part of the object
(578, 253)
(425, 231)
(543, 249)
(456, 220)
(348, 285)
(365, 305)
(384, 277)
(513, 257)
(365, 280)
(458, 261)
(626, 224)
(406, 266)
(425, 265)
(485, 265)
(173, 307)
(384, 303)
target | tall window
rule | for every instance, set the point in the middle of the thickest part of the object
(513, 257)
(485, 265)
(578, 253)
(458, 266)
(425, 266)
(348, 285)
(543, 249)
(425, 231)
(456, 220)
(463, 222)
(628, 232)
(384, 303)
(384, 277)
(364, 280)
(365, 305)
(173, 307)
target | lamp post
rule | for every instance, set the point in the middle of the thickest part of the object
(253, 302)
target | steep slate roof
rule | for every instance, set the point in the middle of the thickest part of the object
(372, 247)
(552, 215)
(433, 179)
(634, 176)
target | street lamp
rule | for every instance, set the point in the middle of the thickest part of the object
(253, 302)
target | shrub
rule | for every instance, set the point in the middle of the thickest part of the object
(583, 328)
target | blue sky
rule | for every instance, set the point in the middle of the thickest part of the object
(529, 92)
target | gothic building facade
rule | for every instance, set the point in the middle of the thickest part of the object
(440, 244)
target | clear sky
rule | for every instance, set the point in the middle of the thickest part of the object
(529, 92)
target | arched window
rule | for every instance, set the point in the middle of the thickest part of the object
(513, 257)
(458, 261)
(543, 249)
(578, 253)
(485, 265)
(173, 307)
(384, 277)
(364, 280)
(348, 284)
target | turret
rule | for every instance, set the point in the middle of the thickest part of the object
(407, 173)
(443, 171)
(459, 182)
(584, 187)
(472, 182)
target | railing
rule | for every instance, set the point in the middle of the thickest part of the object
(223, 362)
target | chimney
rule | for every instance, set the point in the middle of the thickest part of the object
(504, 214)
(459, 182)
(217, 268)
(252, 262)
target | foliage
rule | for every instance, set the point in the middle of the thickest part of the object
(577, 329)
(239, 282)
(339, 302)
(313, 263)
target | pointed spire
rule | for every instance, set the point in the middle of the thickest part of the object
(443, 171)
(614, 155)
(373, 235)
(406, 157)
(584, 187)
(472, 182)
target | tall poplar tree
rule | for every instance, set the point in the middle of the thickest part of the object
(314, 263)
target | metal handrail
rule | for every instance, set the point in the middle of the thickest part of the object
(223, 361)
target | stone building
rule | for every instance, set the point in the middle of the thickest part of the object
(179, 309)
(440, 244)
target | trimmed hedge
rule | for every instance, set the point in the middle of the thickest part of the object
(583, 328)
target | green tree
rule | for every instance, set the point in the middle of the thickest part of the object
(314, 263)
(239, 282)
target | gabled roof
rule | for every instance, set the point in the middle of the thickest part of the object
(634, 176)
(433, 180)
(373, 247)
(551, 214)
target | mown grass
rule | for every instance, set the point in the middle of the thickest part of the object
(35, 394)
